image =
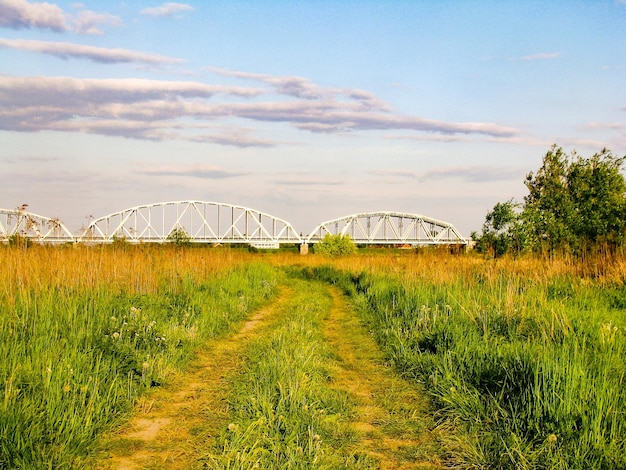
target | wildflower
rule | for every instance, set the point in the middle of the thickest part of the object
(317, 437)
(48, 370)
(145, 365)
(232, 427)
(83, 389)
(113, 319)
(551, 438)
(116, 335)
(66, 388)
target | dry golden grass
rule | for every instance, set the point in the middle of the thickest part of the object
(136, 268)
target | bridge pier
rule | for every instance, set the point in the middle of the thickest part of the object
(304, 249)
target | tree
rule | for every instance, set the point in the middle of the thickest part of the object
(548, 207)
(573, 204)
(335, 245)
(598, 192)
(179, 236)
(502, 230)
(576, 203)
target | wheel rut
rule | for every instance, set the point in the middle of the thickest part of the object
(172, 424)
(391, 419)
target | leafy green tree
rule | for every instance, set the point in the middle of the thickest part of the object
(598, 190)
(573, 204)
(179, 236)
(548, 208)
(576, 203)
(502, 230)
(335, 245)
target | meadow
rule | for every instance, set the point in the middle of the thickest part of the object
(520, 361)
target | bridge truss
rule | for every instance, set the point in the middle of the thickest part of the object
(390, 228)
(199, 221)
(19, 222)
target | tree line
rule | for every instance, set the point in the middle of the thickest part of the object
(574, 205)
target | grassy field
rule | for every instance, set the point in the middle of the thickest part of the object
(508, 363)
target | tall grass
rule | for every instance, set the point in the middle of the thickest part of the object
(284, 414)
(83, 331)
(523, 359)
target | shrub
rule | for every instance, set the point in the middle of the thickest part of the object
(335, 245)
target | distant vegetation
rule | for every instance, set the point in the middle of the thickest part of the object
(335, 245)
(575, 205)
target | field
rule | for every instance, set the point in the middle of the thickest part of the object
(173, 357)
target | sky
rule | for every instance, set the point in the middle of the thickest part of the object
(305, 110)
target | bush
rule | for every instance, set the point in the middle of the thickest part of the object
(179, 236)
(335, 245)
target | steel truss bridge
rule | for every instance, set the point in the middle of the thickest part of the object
(20, 223)
(201, 222)
(219, 223)
(389, 228)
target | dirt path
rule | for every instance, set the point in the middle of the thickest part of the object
(391, 418)
(171, 424)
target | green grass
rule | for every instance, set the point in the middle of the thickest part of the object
(523, 361)
(524, 373)
(284, 414)
(75, 359)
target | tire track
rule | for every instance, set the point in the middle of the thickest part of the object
(171, 425)
(391, 419)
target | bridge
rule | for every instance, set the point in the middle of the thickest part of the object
(220, 223)
(389, 228)
(197, 221)
(34, 227)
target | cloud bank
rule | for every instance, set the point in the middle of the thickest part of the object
(160, 110)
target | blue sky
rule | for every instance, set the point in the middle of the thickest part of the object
(308, 111)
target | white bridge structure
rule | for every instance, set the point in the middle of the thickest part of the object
(34, 227)
(390, 228)
(195, 221)
(220, 223)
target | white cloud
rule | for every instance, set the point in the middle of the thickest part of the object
(167, 9)
(153, 109)
(200, 171)
(20, 14)
(89, 22)
(476, 174)
(299, 87)
(615, 126)
(470, 174)
(66, 50)
(539, 56)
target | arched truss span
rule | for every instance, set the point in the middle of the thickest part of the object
(390, 228)
(202, 222)
(33, 227)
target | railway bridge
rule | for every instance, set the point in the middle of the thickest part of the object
(221, 223)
